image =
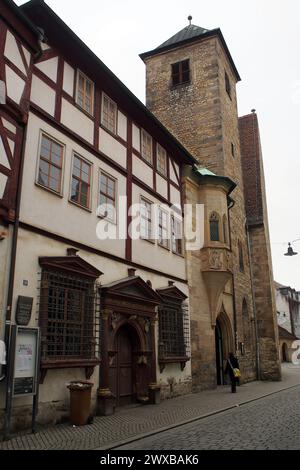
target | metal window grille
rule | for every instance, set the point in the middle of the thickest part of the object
(174, 331)
(69, 309)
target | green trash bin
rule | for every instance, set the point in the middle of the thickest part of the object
(80, 401)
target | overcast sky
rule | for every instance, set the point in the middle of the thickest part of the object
(264, 39)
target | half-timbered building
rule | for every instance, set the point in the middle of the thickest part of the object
(87, 140)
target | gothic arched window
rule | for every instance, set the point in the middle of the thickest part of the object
(214, 227)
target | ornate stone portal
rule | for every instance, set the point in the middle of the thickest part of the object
(128, 367)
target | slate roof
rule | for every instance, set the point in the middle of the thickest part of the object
(284, 334)
(189, 32)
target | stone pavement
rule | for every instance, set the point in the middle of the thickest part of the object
(135, 422)
(270, 423)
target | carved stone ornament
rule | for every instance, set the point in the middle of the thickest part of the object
(147, 326)
(142, 360)
(215, 261)
(115, 317)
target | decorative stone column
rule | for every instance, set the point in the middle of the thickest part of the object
(105, 398)
(154, 387)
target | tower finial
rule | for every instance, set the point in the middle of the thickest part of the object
(190, 19)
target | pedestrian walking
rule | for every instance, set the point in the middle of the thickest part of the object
(233, 370)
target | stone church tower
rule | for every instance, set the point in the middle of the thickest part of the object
(191, 88)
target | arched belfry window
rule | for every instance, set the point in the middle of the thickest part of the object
(214, 227)
(225, 230)
(241, 257)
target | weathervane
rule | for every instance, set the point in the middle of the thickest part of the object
(190, 19)
(290, 251)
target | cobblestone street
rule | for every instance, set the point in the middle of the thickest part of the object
(270, 423)
(265, 422)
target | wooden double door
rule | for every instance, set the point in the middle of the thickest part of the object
(123, 369)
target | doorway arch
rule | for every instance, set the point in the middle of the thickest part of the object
(284, 353)
(224, 345)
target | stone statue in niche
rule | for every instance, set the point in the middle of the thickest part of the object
(215, 261)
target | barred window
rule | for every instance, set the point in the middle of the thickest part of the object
(146, 219)
(163, 228)
(172, 326)
(81, 182)
(214, 227)
(146, 147)
(161, 160)
(50, 164)
(176, 235)
(68, 317)
(85, 93)
(109, 114)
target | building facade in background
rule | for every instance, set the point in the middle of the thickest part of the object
(288, 318)
(140, 317)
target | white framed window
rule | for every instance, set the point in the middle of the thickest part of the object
(163, 228)
(107, 197)
(161, 160)
(85, 92)
(146, 150)
(50, 167)
(146, 219)
(176, 228)
(109, 112)
(81, 181)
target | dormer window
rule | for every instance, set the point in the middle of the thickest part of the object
(181, 72)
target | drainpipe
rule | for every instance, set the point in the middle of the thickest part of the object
(230, 206)
(11, 280)
(258, 368)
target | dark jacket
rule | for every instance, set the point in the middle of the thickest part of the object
(233, 364)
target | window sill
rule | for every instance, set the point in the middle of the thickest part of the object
(64, 363)
(39, 185)
(89, 115)
(139, 155)
(80, 206)
(167, 248)
(180, 85)
(148, 240)
(182, 360)
(113, 134)
(178, 254)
